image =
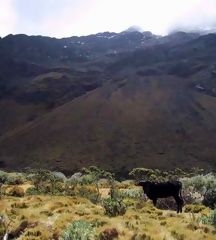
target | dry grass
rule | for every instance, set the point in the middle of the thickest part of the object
(47, 217)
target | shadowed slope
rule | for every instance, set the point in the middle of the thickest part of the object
(147, 121)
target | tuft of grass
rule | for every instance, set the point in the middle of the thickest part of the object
(177, 235)
(19, 205)
(194, 208)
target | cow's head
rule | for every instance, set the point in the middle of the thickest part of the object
(145, 185)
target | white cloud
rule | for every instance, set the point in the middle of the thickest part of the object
(7, 17)
(82, 17)
(160, 17)
(196, 15)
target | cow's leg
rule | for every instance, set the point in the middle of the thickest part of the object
(154, 201)
(179, 202)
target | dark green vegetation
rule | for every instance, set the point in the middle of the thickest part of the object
(118, 101)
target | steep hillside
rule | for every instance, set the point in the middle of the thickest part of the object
(153, 122)
(151, 105)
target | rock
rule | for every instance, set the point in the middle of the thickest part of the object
(60, 175)
(76, 176)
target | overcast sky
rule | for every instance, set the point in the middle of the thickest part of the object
(63, 18)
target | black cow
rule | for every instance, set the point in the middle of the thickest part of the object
(155, 190)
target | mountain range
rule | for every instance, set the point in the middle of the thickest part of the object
(115, 100)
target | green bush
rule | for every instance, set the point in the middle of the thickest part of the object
(79, 230)
(87, 179)
(142, 174)
(46, 181)
(200, 183)
(211, 219)
(11, 178)
(69, 188)
(90, 193)
(3, 176)
(155, 174)
(114, 207)
(15, 178)
(130, 193)
(32, 191)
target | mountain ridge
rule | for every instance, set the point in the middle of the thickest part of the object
(114, 100)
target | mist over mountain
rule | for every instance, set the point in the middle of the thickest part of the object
(116, 100)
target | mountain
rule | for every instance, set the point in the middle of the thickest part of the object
(116, 100)
(134, 29)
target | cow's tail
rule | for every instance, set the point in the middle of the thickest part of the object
(180, 191)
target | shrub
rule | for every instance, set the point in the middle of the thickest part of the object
(11, 178)
(127, 184)
(104, 183)
(79, 230)
(194, 208)
(192, 197)
(16, 192)
(14, 179)
(210, 199)
(55, 187)
(90, 193)
(69, 188)
(142, 173)
(154, 174)
(32, 191)
(130, 193)
(108, 234)
(3, 176)
(94, 174)
(211, 219)
(46, 181)
(114, 207)
(200, 183)
(87, 179)
(38, 177)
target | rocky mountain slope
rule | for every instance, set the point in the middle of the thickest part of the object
(114, 100)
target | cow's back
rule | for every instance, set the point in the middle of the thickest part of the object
(167, 189)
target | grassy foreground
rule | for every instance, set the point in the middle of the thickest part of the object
(92, 205)
(46, 217)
